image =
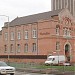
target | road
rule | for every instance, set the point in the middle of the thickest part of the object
(24, 73)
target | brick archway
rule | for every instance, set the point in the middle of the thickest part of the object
(67, 52)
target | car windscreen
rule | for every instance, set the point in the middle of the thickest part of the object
(3, 64)
(51, 59)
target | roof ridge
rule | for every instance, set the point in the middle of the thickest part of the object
(33, 18)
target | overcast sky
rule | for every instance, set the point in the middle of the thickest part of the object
(14, 8)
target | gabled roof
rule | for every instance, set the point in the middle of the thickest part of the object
(33, 18)
(66, 13)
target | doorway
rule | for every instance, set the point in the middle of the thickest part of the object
(67, 52)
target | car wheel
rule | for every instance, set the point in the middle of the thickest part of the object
(12, 74)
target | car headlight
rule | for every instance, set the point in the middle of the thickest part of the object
(14, 69)
(2, 69)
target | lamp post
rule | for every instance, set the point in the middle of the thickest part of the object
(8, 34)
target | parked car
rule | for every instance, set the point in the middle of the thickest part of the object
(5, 69)
(55, 60)
(67, 64)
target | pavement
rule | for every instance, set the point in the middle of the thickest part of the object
(45, 71)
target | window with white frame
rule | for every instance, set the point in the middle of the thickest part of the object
(12, 35)
(26, 47)
(34, 33)
(26, 34)
(57, 30)
(18, 48)
(67, 31)
(19, 35)
(6, 36)
(34, 47)
(57, 46)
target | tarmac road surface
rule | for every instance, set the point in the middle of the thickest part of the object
(25, 73)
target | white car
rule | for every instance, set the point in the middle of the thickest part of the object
(5, 69)
(67, 64)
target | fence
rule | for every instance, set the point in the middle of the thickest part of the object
(49, 68)
(23, 65)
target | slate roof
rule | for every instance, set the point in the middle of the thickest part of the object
(33, 18)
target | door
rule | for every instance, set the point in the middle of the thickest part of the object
(67, 52)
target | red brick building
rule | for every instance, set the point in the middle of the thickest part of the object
(32, 38)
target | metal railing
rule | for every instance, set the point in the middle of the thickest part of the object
(43, 68)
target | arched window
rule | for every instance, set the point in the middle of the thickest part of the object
(18, 35)
(5, 47)
(57, 46)
(34, 47)
(67, 31)
(18, 48)
(57, 30)
(11, 48)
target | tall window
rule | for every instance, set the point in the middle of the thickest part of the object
(11, 48)
(26, 34)
(6, 36)
(5, 48)
(34, 47)
(34, 33)
(67, 32)
(26, 48)
(57, 46)
(18, 48)
(12, 35)
(57, 30)
(19, 35)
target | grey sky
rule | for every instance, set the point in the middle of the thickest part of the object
(14, 8)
